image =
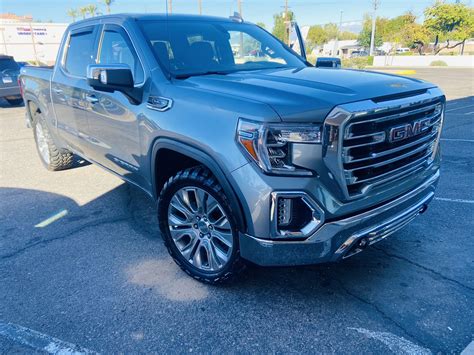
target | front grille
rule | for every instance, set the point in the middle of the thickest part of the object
(370, 157)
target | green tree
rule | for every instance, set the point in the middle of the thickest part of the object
(450, 22)
(73, 13)
(261, 24)
(107, 4)
(366, 32)
(331, 30)
(347, 35)
(280, 25)
(316, 36)
(92, 9)
(84, 11)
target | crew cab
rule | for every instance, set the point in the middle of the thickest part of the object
(261, 158)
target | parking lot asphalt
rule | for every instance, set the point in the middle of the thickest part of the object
(98, 277)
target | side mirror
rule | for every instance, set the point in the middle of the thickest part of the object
(328, 62)
(113, 77)
(110, 77)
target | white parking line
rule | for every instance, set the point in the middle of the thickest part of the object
(469, 349)
(396, 344)
(457, 140)
(459, 108)
(39, 341)
(51, 219)
(453, 200)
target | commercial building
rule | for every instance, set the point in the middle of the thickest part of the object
(29, 41)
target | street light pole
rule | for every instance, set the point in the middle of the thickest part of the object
(170, 6)
(336, 42)
(372, 35)
(200, 7)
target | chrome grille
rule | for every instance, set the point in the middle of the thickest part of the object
(370, 158)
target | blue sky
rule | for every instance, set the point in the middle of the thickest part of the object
(307, 12)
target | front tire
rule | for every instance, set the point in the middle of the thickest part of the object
(52, 157)
(198, 228)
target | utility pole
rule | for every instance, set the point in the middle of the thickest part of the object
(33, 41)
(372, 35)
(170, 6)
(287, 24)
(241, 44)
(336, 41)
(200, 7)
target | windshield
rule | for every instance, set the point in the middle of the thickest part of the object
(186, 48)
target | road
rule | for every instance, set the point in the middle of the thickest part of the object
(82, 267)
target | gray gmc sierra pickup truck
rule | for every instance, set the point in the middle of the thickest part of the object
(250, 152)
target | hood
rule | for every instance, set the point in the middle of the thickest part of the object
(307, 94)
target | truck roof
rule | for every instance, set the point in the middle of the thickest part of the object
(157, 17)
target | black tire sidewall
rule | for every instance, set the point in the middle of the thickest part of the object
(163, 204)
(38, 119)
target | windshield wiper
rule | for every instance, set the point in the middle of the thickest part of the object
(210, 72)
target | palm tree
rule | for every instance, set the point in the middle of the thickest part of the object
(83, 10)
(107, 4)
(72, 13)
(92, 9)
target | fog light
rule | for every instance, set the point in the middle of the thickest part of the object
(294, 215)
(284, 211)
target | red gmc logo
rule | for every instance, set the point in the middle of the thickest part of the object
(408, 130)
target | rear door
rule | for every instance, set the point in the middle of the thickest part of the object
(69, 86)
(113, 129)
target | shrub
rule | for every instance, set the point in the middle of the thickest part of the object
(438, 63)
(357, 62)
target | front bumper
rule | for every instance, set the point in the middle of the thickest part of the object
(341, 238)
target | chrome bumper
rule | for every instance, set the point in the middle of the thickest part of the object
(339, 239)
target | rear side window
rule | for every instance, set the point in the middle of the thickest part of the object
(80, 53)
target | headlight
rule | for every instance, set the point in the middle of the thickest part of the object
(270, 145)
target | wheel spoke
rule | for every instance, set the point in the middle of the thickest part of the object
(182, 207)
(224, 237)
(190, 250)
(220, 254)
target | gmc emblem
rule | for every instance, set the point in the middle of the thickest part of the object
(408, 130)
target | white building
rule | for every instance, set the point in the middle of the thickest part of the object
(31, 41)
(340, 48)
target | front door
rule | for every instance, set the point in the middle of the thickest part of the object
(113, 129)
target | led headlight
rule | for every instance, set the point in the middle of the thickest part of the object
(270, 145)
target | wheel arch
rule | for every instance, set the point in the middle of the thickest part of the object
(202, 158)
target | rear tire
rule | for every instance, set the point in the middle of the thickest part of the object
(52, 157)
(15, 102)
(198, 227)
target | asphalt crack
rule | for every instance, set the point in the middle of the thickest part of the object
(437, 273)
(380, 311)
(93, 224)
(63, 236)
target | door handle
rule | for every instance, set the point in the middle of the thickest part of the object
(92, 99)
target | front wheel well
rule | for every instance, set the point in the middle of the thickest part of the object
(171, 157)
(168, 163)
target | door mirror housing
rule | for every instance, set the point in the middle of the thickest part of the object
(113, 77)
(328, 62)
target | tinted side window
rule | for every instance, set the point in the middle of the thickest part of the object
(80, 53)
(116, 49)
